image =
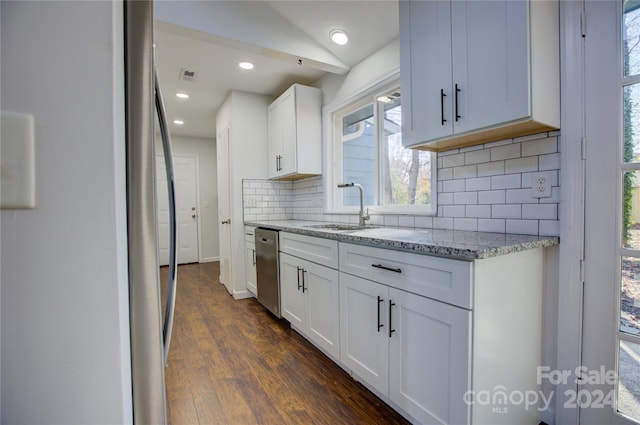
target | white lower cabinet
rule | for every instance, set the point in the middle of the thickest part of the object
(411, 349)
(250, 259)
(310, 301)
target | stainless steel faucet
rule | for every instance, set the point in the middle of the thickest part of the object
(363, 217)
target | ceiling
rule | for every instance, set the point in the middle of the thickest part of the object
(288, 41)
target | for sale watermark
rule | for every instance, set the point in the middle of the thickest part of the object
(501, 400)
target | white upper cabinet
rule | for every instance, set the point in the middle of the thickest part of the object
(295, 139)
(478, 71)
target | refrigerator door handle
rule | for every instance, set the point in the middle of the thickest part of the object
(172, 278)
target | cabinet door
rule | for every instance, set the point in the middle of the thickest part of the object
(425, 71)
(364, 330)
(429, 357)
(291, 296)
(323, 308)
(490, 45)
(288, 160)
(250, 262)
(275, 138)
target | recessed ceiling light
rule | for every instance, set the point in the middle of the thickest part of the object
(182, 95)
(245, 65)
(178, 122)
(339, 37)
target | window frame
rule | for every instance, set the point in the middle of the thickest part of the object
(333, 159)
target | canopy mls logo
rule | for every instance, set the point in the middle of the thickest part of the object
(501, 400)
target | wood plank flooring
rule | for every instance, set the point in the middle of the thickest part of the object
(232, 362)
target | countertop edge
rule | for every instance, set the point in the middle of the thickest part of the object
(444, 248)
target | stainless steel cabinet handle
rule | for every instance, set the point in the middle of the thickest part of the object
(298, 273)
(254, 257)
(391, 269)
(303, 279)
(391, 330)
(442, 96)
(456, 103)
(380, 301)
(172, 279)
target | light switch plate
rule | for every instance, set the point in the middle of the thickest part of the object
(17, 161)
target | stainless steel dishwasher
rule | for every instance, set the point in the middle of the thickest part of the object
(267, 269)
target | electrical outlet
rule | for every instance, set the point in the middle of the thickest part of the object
(540, 185)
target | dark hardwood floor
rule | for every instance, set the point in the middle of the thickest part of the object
(232, 362)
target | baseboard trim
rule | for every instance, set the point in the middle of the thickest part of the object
(239, 295)
(210, 259)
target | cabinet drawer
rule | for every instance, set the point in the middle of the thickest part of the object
(249, 234)
(316, 250)
(438, 278)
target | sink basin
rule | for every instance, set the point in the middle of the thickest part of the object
(340, 227)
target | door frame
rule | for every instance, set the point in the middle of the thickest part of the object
(196, 159)
(572, 174)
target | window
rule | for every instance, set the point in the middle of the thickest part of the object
(366, 148)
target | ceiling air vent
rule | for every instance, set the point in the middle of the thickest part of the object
(187, 74)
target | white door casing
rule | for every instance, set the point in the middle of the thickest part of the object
(224, 208)
(186, 181)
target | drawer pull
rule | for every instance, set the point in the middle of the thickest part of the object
(303, 288)
(299, 284)
(391, 330)
(380, 301)
(391, 269)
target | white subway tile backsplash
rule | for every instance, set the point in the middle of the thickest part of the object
(453, 160)
(506, 181)
(549, 162)
(506, 211)
(465, 224)
(465, 198)
(484, 187)
(492, 197)
(520, 196)
(424, 222)
(491, 225)
(406, 221)
(478, 211)
(525, 227)
(521, 165)
(540, 211)
(445, 198)
(540, 146)
(479, 183)
(453, 210)
(443, 223)
(491, 168)
(465, 171)
(477, 156)
(505, 152)
(549, 227)
(453, 186)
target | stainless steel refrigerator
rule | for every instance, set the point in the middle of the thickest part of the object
(150, 333)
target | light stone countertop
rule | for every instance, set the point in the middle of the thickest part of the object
(455, 244)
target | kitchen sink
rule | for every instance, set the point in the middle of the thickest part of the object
(340, 227)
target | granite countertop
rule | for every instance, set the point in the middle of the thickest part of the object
(456, 244)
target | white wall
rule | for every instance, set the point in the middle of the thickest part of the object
(336, 87)
(64, 308)
(205, 150)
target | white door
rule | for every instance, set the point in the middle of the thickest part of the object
(429, 357)
(611, 322)
(490, 45)
(291, 295)
(224, 208)
(288, 162)
(364, 331)
(185, 177)
(323, 312)
(425, 70)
